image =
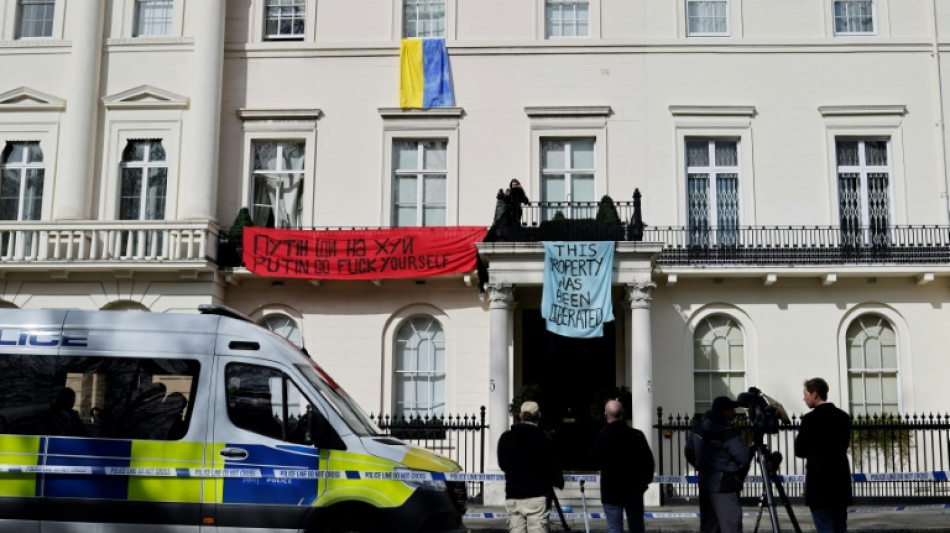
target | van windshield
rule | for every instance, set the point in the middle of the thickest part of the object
(341, 402)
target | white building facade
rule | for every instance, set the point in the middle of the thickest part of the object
(792, 157)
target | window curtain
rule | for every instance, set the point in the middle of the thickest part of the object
(708, 16)
(854, 16)
(697, 200)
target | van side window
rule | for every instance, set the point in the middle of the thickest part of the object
(109, 397)
(265, 401)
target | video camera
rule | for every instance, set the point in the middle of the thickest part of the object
(764, 412)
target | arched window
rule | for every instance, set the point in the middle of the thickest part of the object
(718, 360)
(419, 380)
(124, 305)
(872, 366)
(284, 326)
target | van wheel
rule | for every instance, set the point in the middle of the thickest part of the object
(352, 525)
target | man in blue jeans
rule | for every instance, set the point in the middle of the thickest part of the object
(626, 470)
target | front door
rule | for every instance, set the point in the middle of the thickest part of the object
(574, 377)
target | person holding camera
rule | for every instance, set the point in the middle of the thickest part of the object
(823, 440)
(722, 460)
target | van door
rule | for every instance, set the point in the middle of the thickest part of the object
(262, 425)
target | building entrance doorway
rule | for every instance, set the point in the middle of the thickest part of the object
(573, 378)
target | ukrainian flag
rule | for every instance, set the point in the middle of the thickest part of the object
(424, 80)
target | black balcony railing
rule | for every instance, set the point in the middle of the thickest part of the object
(890, 444)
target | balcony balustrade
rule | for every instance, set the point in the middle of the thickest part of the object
(107, 243)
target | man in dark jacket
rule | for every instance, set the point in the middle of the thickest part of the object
(722, 460)
(626, 470)
(531, 469)
(823, 440)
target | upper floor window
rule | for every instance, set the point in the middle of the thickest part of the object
(419, 175)
(707, 17)
(712, 191)
(21, 189)
(567, 177)
(566, 18)
(35, 18)
(285, 19)
(864, 202)
(872, 366)
(153, 17)
(420, 368)
(423, 18)
(143, 182)
(854, 17)
(718, 360)
(278, 183)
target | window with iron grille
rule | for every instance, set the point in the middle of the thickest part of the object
(566, 18)
(153, 17)
(285, 19)
(712, 192)
(707, 18)
(34, 18)
(419, 181)
(854, 17)
(419, 381)
(872, 366)
(423, 18)
(718, 360)
(567, 177)
(864, 202)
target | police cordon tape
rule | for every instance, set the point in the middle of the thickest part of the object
(399, 475)
(655, 516)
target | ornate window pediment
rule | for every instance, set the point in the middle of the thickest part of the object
(145, 97)
(26, 99)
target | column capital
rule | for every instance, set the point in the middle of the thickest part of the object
(640, 294)
(500, 295)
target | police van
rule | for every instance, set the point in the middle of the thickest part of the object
(117, 421)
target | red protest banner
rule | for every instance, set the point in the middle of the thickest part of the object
(361, 254)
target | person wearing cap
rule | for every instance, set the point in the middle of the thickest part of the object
(823, 440)
(722, 460)
(626, 470)
(527, 457)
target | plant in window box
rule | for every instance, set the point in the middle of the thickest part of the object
(884, 439)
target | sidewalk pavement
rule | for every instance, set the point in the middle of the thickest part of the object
(903, 519)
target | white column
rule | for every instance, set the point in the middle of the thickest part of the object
(199, 184)
(640, 297)
(501, 298)
(75, 163)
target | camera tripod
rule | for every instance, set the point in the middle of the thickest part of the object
(769, 462)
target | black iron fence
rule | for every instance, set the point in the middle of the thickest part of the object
(459, 437)
(890, 444)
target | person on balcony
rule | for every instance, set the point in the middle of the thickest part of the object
(508, 210)
(822, 441)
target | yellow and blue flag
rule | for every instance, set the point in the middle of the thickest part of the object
(424, 77)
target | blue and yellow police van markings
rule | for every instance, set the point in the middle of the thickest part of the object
(273, 489)
(380, 493)
(19, 450)
(166, 454)
(84, 452)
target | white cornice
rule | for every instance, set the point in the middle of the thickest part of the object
(568, 111)
(712, 110)
(861, 110)
(26, 99)
(310, 115)
(145, 97)
(390, 113)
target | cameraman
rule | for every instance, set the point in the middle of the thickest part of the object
(823, 440)
(717, 452)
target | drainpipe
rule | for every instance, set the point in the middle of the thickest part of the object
(942, 151)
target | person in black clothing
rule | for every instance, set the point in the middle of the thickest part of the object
(823, 440)
(526, 455)
(626, 470)
(716, 450)
(508, 210)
